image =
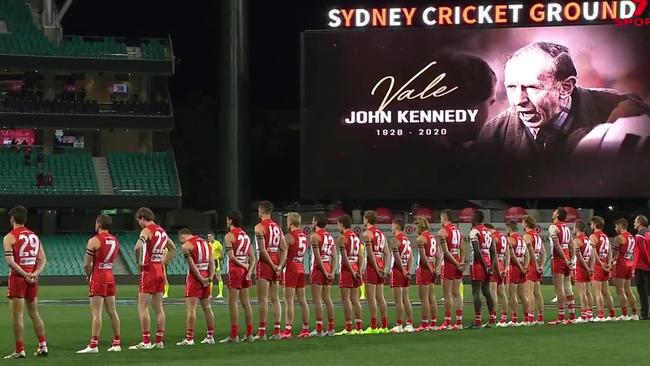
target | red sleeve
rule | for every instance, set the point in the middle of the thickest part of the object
(643, 257)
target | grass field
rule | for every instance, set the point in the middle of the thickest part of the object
(68, 328)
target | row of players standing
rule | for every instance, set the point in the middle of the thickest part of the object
(440, 255)
(281, 260)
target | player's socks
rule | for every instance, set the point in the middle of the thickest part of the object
(601, 314)
(276, 328)
(560, 313)
(384, 322)
(459, 317)
(189, 334)
(348, 325)
(288, 328)
(146, 337)
(493, 317)
(425, 323)
(477, 318)
(249, 330)
(234, 331)
(540, 317)
(513, 317)
(116, 341)
(220, 289)
(504, 318)
(409, 322)
(330, 325)
(319, 325)
(433, 322)
(94, 342)
(398, 323)
(373, 323)
(261, 331)
(447, 318)
(160, 335)
(358, 324)
(210, 333)
(612, 313)
(571, 301)
(20, 347)
(624, 310)
(305, 326)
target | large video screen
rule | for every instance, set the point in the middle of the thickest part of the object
(476, 113)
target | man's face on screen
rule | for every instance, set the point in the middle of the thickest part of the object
(532, 89)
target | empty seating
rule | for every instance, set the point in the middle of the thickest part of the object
(24, 38)
(72, 173)
(143, 174)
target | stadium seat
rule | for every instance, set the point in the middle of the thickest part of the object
(72, 172)
(24, 38)
(143, 174)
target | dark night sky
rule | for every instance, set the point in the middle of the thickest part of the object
(274, 90)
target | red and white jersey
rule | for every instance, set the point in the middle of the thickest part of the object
(378, 242)
(537, 243)
(602, 246)
(325, 247)
(404, 248)
(109, 248)
(501, 242)
(152, 251)
(241, 245)
(296, 251)
(482, 234)
(626, 250)
(430, 248)
(563, 234)
(454, 240)
(25, 249)
(200, 255)
(519, 248)
(272, 236)
(586, 249)
(352, 245)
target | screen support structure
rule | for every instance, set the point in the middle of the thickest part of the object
(233, 99)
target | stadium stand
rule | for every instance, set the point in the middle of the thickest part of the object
(65, 254)
(151, 174)
(127, 242)
(22, 37)
(30, 105)
(72, 172)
